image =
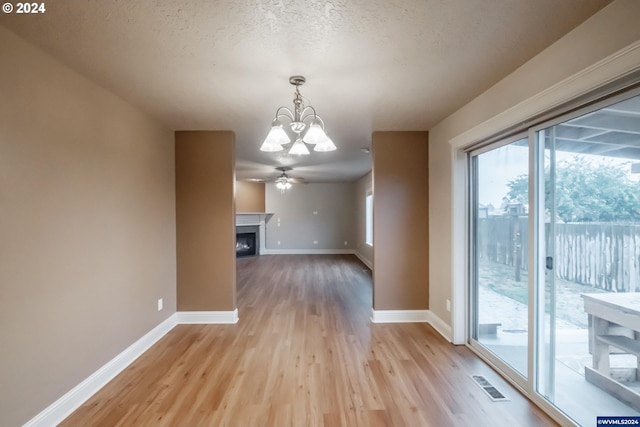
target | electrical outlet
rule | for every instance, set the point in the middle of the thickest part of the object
(278, 242)
(345, 243)
(448, 305)
(160, 304)
(315, 242)
(315, 212)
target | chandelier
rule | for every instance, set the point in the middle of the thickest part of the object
(302, 118)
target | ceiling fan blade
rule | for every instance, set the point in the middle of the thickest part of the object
(284, 173)
(297, 180)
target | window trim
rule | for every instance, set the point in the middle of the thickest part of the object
(368, 218)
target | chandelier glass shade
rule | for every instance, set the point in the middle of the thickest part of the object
(306, 125)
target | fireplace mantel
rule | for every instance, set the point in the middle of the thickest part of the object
(255, 218)
(252, 218)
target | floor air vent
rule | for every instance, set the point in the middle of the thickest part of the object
(488, 388)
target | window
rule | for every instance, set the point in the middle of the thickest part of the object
(368, 237)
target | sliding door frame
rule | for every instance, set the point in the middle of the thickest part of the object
(536, 265)
(617, 71)
(472, 268)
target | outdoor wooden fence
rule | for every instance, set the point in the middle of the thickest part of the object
(598, 255)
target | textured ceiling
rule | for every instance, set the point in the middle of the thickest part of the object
(370, 64)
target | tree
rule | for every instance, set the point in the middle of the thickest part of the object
(587, 192)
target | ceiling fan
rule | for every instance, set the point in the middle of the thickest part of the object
(284, 181)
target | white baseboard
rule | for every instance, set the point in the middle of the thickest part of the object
(72, 400)
(306, 251)
(207, 317)
(440, 326)
(412, 316)
(69, 402)
(400, 316)
(364, 260)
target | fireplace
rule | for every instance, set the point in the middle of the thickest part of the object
(252, 222)
(247, 241)
(245, 244)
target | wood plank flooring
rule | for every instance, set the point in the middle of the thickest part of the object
(304, 353)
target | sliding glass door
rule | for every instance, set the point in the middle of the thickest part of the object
(588, 196)
(500, 276)
(554, 238)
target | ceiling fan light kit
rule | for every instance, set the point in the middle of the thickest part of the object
(283, 182)
(302, 118)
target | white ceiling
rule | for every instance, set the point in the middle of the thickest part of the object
(370, 64)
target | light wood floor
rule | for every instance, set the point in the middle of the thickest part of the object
(304, 353)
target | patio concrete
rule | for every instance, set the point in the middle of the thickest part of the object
(581, 400)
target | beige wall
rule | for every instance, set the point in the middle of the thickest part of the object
(299, 227)
(250, 196)
(400, 221)
(87, 228)
(363, 186)
(610, 30)
(205, 220)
